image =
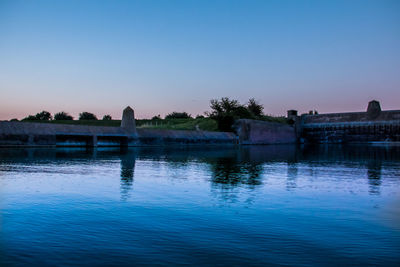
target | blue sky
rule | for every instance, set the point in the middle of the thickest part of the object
(164, 56)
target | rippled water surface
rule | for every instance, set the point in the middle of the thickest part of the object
(263, 205)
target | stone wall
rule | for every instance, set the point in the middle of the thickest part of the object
(351, 132)
(254, 132)
(160, 137)
(49, 134)
(374, 125)
(389, 115)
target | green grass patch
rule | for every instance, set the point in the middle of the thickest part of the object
(204, 124)
(274, 119)
(189, 124)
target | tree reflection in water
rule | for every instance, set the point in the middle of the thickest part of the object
(232, 169)
(228, 172)
(229, 175)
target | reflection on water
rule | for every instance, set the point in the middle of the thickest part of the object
(229, 172)
(374, 175)
(252, 205)
(230, 167)
(127, 170)
(292, 171)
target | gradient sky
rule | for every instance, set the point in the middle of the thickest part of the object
(164, 56)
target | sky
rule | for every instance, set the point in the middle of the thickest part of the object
(164, 56)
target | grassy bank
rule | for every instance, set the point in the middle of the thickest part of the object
(204, 124)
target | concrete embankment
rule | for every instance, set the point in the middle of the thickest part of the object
(46, 134)
(160, 137)
(49, 134)
(374, 125)
(255, 132)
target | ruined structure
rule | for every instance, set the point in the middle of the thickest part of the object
(255, 132)
(374, 125)
(49, 134)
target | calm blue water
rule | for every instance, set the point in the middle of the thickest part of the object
(265, 205)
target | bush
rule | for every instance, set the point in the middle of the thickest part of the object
(255, 108)
(14, 119)
(30, 118)
(107, 118)
(225, 123)
(63, 116)
(156, 118)
(178, 115)
(87, 116)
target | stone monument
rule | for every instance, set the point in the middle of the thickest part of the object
(128, 120)
(373, 110)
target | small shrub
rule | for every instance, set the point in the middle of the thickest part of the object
(178, 115)
(156, 118)
(107, 117)
(30, 118)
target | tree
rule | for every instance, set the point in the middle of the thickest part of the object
(255, 108)
(43, 116)
(107, 117)
(178, 115)
(223, 106)
(63, 116)
(87, 116)
(225, 111)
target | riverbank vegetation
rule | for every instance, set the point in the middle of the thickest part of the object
(221, 117)
(226, 111)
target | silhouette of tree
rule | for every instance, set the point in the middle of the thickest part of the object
(107, 118)
(44, 116)
(87, 116)
(62, 116)
(255, 108)
(41, 116)
(178, 115)
(225, 111)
